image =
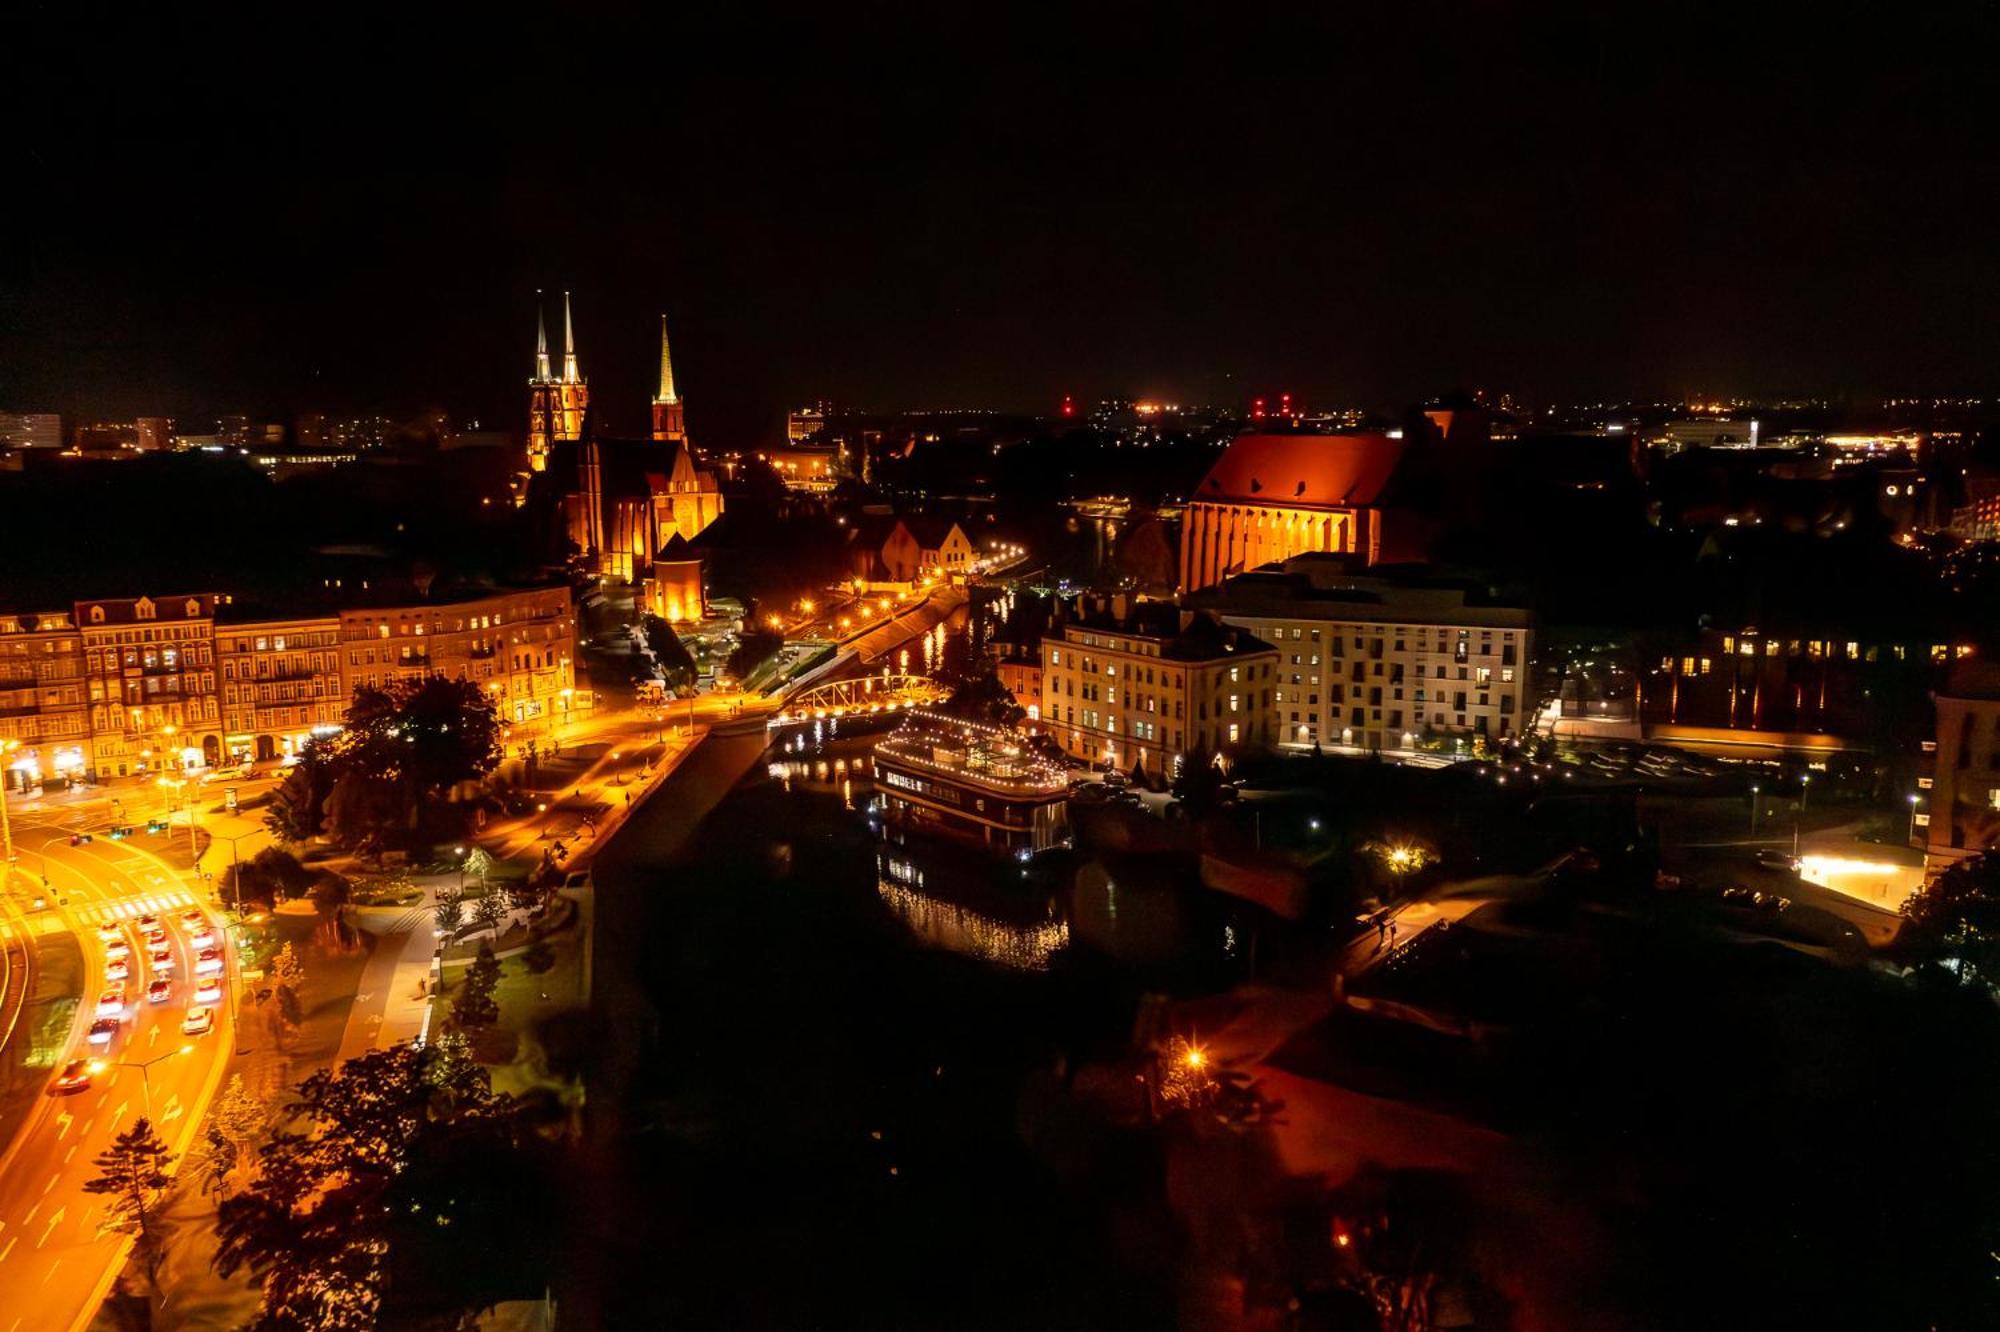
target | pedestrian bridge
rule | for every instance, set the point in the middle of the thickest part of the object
(858, 696)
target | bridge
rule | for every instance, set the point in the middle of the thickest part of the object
(858, 696)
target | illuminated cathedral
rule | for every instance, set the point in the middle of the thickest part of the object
(634, 505)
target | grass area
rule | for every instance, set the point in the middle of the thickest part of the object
(44, 1031)
(532, 1039)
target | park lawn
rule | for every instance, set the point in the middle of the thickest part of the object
(525, 1001)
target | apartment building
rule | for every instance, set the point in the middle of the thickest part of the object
(1383, 658)
(518, 645)
(44, 709)
(1138, 685)
(150, 671)
(1955, 812)
(281, 684)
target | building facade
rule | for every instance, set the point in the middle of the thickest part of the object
(519, 646)
(44, 705)
(631, 498)
(1782, 685)
(1955, 811)
(150, 671)
(282, 684)
(1138, 686)
(1384, 661)
(1270, 497)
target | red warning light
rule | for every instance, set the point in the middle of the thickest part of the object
(1068, 407)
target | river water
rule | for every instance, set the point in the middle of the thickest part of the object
(857, 1109)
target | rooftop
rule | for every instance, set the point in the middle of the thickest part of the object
(1305, 471)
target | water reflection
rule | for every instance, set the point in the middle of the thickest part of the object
(943, 923)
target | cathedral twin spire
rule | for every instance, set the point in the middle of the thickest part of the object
(570, 374)
(557, 410)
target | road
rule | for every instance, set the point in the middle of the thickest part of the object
(55, 1262)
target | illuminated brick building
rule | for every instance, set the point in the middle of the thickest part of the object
(633, 497)
(557, 407)
(1270, 497)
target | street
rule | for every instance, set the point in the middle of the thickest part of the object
(55, 1264)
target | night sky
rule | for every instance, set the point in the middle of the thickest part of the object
(1553, 202)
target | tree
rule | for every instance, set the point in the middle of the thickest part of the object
(984, 698)
(449, 912)
(489, 911)
(239, 1116)
(670, 655)
(1954, 922)
(475, 1006)
(132, 1174)
(1198, 785)
(404, 747)
(330, 892)
(216, 1161)
(287, 968)
(382, 1171)
(478, 861)
(296, 807)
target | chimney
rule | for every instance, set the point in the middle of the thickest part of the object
(1121, 606)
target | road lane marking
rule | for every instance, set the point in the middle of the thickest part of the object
(51, 1184)
(51, 1272)
(173, 1110)
(70, 1153)
(54, 1221)
(119, 1113)
(3, 1258)
(63, 1120)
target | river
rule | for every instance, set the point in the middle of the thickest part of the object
(844, 1061)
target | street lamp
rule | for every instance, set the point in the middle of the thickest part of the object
(1914, 798)
(145, 1076)
(1805, 789)
(1754, 791)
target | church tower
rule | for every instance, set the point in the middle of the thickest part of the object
(541, 397)
(668, 421)
(571, 393)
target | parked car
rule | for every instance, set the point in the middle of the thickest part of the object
(1770, 858)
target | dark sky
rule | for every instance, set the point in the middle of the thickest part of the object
(1554, 201)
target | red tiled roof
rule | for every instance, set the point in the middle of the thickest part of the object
(1311, 471)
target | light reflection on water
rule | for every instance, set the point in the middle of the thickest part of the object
(961, 929)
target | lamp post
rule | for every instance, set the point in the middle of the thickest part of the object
(1805, 789)
(1914, 798)
(145, 1076)
(1754, 791)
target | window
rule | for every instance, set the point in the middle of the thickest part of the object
(1234, 732)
